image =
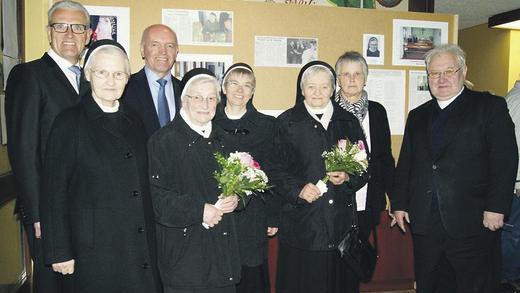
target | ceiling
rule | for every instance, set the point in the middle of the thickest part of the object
(474, 12)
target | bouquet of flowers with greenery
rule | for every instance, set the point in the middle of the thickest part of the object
(239, 175)
(348, 157)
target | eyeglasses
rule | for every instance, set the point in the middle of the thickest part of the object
(355, 75)
(447, 73)
(118, 75)
(200, 99)
(235, 84)
(76, 28)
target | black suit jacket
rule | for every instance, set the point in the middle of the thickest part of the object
(473, 172)
(382, 163)
(137, 95)
(36, 93)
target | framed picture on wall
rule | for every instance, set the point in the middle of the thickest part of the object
(374, 49)
(108, 22)
(413, 38)
(214, 62)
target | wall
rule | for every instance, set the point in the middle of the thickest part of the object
(488, 57)
(514, 58)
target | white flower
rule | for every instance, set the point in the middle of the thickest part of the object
(360, 156)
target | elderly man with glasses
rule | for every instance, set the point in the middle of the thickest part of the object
(454, 178)
(36, 92)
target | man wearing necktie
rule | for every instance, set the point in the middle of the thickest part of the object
(153, 92)
(36, 93)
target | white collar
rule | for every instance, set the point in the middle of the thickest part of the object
(234, 117)
(204, 130)
(108, 109)
(326, 111)
(63, 63)
(446, 103)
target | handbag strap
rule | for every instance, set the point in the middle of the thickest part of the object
(355, 221)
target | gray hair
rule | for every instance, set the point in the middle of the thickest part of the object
(68, 4)
(198, 80)
(315, 69)
(352, 56)
(453, 49)
(109, 50)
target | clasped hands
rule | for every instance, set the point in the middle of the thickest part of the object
(213, 212)
(310, 192)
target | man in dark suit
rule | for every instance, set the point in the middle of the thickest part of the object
(154, 92)
(454, 178)
(36, 92)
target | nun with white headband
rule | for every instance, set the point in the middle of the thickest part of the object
(198, 250)
(96, 210)
(313, 222)
(247, 130)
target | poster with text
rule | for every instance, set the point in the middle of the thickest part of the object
(277, 51)
(214, 62)
(418, 91)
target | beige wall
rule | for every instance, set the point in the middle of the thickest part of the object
(488, 57)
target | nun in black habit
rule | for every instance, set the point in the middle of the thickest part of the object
(312, 222)
(248, 130)
(96, 211)
(192, 257)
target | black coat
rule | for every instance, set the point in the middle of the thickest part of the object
(300, 141)
(382, 163)
(474, 170)
(253, 133)
(137, 95)
(181, 170)
(36, 92)
(95, 204)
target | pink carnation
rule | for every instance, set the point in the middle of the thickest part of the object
(361, 145)
(256, 165)
(246, 159)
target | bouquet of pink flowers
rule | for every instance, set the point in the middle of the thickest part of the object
(239, 175)
(345, 156)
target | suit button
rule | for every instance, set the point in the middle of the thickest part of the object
(315, 126)
(331, 201)
(140, 229)
(128, 155)
(145, 266)
(434, 167)
(136, 193)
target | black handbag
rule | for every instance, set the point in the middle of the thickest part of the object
(358, 253)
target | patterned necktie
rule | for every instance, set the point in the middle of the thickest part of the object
(162, 104)
(77, 71)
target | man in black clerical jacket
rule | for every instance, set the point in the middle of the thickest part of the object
(454, 178)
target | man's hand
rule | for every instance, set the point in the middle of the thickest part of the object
(64, 268)
(271, 231)
(37, 230)
(337, 178)
(310, 193)
(212, 215)
(493, 221)
(399, 218)
(227, 204)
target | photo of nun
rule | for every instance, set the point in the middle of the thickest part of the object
(313, 223)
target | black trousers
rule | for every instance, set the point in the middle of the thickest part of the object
(45, 280)
(445, 264)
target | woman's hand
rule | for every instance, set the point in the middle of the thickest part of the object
(310, 193)
(64, 268)
(338, 177)
(271, 231)
(212, 215)
(227, 204)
